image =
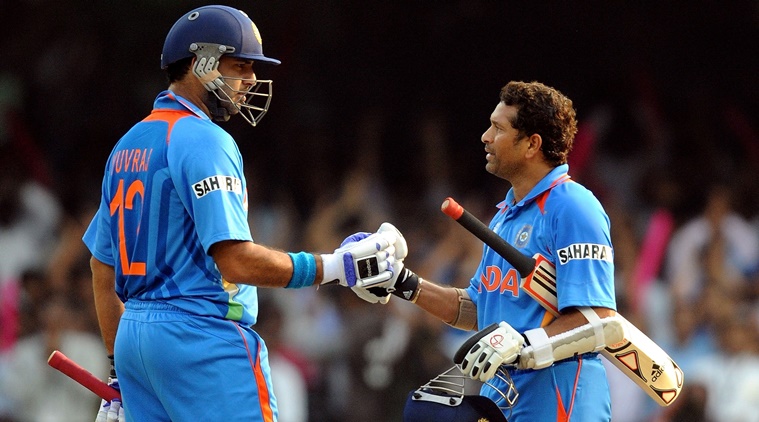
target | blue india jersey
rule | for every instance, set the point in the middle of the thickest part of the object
(174, 186)
(563, 221)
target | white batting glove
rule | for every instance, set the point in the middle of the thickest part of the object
(379, 292)
(401, 248)
(111, 411)
(366, 262)
(494, 347)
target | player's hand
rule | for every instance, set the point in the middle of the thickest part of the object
(380, 293)
(111, 411)
(360, 291)
(401, 248)
(405, 283)
(493, 346)
(361, 260)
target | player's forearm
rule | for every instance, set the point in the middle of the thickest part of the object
(440, 301)
(250, 263)
(108, 306)
(571, 319)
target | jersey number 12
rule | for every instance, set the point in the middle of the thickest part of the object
(119, 202)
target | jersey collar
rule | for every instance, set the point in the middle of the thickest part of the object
(557, 174)
(169, 100)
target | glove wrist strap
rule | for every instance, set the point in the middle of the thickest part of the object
(410, 287)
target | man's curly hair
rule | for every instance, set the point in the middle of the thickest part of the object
(545, 111)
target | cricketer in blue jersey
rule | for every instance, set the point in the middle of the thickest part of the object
(175, 270)
(545, 212)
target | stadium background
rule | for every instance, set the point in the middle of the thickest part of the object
(377, 112)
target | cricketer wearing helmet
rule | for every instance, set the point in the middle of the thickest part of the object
(553, 361)
(175, 270)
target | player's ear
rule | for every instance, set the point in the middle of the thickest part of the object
(534, 143)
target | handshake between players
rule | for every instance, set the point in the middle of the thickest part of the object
(378, 265)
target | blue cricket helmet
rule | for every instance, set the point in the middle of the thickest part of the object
(442, 399)
(221, 25)
(436, 407)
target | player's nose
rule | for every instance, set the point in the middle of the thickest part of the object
(251, 79)
(486, 138)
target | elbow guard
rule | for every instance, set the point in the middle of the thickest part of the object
(466, 315)
(594, 336)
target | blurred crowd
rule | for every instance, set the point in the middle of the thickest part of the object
(674, 161)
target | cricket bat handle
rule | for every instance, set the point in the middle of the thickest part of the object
(523, 263)
(84, 377)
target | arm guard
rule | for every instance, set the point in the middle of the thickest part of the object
(466, 318)
(594, 336)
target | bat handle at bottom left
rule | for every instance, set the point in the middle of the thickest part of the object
(84, 377)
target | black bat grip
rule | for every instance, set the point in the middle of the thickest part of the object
(523, 263)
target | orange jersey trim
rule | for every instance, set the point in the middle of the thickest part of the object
(169, 116)
(543, 197)
(263, 390)
(562, 415)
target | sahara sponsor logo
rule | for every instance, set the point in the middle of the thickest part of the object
(218, 182)
(585, 251)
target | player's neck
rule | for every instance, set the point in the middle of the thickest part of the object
(192, 92)
(528, 179)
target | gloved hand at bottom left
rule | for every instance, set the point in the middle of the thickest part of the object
(111, 411)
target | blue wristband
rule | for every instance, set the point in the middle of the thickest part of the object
(304, 270)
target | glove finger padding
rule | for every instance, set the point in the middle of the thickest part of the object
(492, 349)
(116, 412)
(111, 411)
(396, 251)
(377, 289)
(364, 260)
(102, 415)
(401, 248)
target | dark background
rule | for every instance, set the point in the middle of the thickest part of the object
(83, 72)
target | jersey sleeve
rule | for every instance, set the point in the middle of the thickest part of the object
(472, 290)
(584, 253)
(98, 234)
(207, 170)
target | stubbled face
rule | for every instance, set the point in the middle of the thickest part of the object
(504, 146)
(239, 78)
